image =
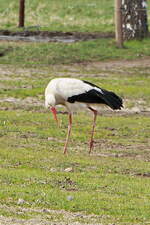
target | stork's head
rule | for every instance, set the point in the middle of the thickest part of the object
(50, 103)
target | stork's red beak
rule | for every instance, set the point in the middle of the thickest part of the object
(53, 110)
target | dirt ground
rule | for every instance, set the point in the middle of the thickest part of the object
(47, 36)
(79, 35)
(47, 217)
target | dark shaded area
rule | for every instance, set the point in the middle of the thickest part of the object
(52, 36)
(5, 51)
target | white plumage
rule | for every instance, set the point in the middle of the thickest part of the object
(63, 88)
(77, 94)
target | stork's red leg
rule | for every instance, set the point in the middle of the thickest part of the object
(93, 129)
(68, 134)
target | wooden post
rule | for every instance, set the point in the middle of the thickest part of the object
(21, 13)
(118, 23)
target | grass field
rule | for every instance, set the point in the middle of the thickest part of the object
(66, 15)
(112, 184)
(38, 184)
(45, 54)
(60, 15)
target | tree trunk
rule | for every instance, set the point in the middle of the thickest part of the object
(134, 19)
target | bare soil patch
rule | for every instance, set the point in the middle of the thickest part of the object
(122, 63)
(49, 36)
(47, 217)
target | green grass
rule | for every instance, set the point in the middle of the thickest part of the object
(63, 16)
(111, 186)
(44, 54)
(66, 15)
(100, 185)
(112, 183)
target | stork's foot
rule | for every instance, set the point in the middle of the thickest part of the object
(91, 145)
(65, 151)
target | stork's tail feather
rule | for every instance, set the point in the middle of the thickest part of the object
(112, 100)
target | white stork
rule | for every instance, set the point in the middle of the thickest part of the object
(77, 94)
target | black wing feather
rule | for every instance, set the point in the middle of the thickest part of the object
(98, 97)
